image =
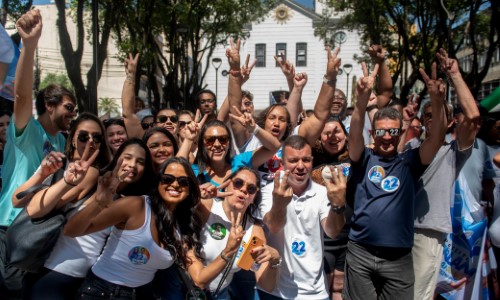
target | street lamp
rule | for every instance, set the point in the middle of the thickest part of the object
(216, 62)
(347, 69)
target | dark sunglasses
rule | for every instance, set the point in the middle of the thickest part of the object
(163, 119)
(169, 179)
(239, 183)
(70, 108)
(182, 124)
(147, 125)
(392, 132)
(210, 140)
(84, 136)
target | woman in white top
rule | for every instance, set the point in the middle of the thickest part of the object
(223, 233)
(149, 233)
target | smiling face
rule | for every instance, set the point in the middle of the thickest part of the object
(116, 135)
(172, 187)
(299, 163)
(216, 140)
(276, 122)
(160, 147)
(386, 145)
(133, 160)
(63, 113)
(333, 138)
(339, 103)
(167, 119)
(87, 131)
(244, 188)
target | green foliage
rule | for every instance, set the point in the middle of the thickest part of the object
(56, 78)
(108, 106)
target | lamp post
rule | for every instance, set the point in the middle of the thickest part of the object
(347, 69)
(216, 62)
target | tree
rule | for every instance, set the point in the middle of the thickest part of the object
(56, 78)
(14, 9)
(176, 40)
(413, 31)
(108, 106)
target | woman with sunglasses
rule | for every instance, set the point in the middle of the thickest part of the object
(148, 232)
(70, 259)
(161, 144)
(227, 225)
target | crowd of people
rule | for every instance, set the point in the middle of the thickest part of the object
(329, 204)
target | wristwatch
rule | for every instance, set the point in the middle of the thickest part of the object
(329, 81)
(276, 265)
(338, 209)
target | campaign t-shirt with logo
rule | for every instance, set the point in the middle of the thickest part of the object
(384, 193)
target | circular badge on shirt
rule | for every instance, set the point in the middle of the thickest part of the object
(139, 255)
(217, 231)
(390, 184)
(299, 247)
(376, 174)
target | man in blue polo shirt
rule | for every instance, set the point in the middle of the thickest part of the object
(29, 140)
(379, 260)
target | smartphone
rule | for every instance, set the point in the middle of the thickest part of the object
(246, 261)
(282, 174)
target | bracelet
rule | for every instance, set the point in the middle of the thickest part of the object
(236, 73)
(130, 79)
(256, 129)
(224, 258)
(71, 184)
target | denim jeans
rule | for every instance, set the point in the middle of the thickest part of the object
(94, 288)
(378, 273)
(49, 284)
(242, 286)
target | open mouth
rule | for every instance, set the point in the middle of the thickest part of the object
(173, 193)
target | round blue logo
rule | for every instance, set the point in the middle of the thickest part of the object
(299, 248)
(376, 174)
(390, 184)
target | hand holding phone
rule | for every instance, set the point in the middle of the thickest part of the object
(246, 261)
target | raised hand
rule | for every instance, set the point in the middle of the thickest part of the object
(78, 169)
(51, 163)
(333, 65)
(286, 67)
(282, 192)
(244, 118)
(365, 84)
(131, 65)
(208, 190)
(411, 108)
(300, 80)
(233, 56)
(29, 27)
(265, 253)
(108, 184)
(336, 186)
(446, 64)
(193, 128)
(436, 87)
(236, 234)
(247, 69)
(377, 53)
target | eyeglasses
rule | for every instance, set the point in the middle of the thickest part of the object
(203, 101)
(84, 136)
(163, 119)
(70, 108)
(169, 179)
(147, 125)
(239, 183)
(210, 140)
(391, 131)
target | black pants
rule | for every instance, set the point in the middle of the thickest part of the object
(11, 278)
(49, 284)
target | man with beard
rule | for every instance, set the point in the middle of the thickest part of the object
(29, 140)
(207, 104)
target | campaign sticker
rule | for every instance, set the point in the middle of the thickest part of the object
(217, 231)
(390, 184)
(139, 255)
(346, 170)
(376, 174)
(299, 248)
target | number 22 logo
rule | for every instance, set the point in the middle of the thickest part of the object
(299, 248)
(390, 184)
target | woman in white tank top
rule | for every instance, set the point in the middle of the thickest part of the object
(149, 233)
(223, 234)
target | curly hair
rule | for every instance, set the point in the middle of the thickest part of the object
(261, 119)
(184, 217)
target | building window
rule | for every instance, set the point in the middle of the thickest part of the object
(281, 52)
(301, 55)
(260, 55)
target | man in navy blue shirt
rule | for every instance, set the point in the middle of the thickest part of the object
(379, 260)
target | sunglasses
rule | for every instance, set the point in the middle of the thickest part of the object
(84, 136)
(163, 119)
(169, 179)
(182, 124)
(203, 101)
(147, 125)
(70, 108)
(239, 183)
(392, 132)
(210, 140)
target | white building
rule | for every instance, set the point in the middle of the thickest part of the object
(288, 28)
